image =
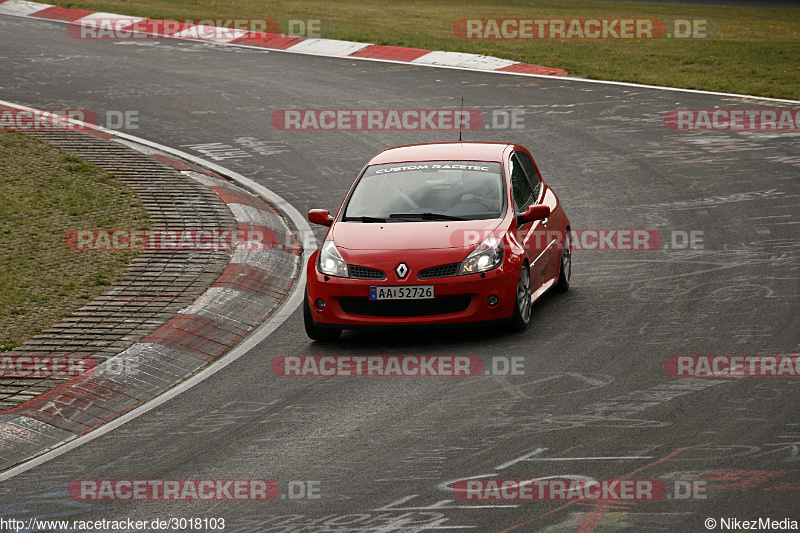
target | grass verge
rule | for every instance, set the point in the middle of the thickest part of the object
(45, 191)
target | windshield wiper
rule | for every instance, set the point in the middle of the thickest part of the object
(364, 219)
(426, 216)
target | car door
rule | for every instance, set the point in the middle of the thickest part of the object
(553, 252)
(531, 235)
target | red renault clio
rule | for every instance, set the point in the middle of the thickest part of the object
(446, 233)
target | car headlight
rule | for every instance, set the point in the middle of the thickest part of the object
(486, 256)
(330, 261)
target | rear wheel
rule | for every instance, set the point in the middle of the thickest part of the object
(565, 272)
(315, 332)
(522, 308)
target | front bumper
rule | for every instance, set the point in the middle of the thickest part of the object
(458, 299)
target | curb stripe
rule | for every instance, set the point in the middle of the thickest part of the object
(22, 8)
(231, 195)
(461, 59)
(269, 40)
(391, 53)
(250, 279)
(199, 334)
(328, 47)
(269, 238)
(524, 68)
(149, 26)
(65, 14)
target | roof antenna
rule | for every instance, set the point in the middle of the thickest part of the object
(460, 119)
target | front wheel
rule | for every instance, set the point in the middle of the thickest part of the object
(315, 332)
(565, 272)
(522, 308)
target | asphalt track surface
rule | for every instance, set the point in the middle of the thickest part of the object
(594, 399)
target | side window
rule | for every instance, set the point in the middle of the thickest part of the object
(530, 170)
(520, 187)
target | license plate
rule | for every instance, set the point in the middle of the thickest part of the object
(404, 292)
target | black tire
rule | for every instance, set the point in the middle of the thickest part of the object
(565, 271)
(315, 332)
(522, 304)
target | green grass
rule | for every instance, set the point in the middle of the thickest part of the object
(754, 51)
(44, 191)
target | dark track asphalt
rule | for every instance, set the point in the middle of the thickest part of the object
(594, 384)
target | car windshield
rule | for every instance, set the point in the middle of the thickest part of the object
(428, 190)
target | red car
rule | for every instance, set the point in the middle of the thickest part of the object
(433, 234)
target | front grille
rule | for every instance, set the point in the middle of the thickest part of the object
(360, 272)
(441, 271)
(405, 308)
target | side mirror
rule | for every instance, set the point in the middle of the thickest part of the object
(320, 216)
(534, 212)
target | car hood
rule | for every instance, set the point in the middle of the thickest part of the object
(428, 235)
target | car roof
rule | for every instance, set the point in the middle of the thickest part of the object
(454, 151)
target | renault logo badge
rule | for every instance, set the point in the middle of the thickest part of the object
(402, 270)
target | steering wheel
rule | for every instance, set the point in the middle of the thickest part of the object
(475, 199)
(475, 206)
